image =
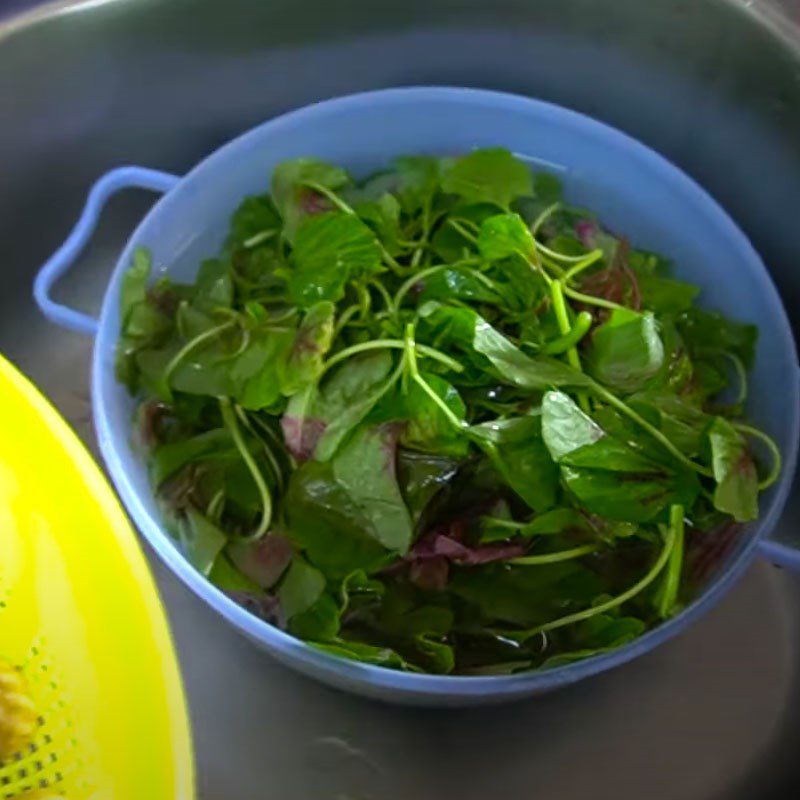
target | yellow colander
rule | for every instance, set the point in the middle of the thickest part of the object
(83, 638)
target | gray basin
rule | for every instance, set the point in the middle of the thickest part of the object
(712, 84)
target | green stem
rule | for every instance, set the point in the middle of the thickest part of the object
(390, 344)
(555, 255)
(331, 195)
(777, 460)
(498, 522)
(591, 300)
(601, 608)
(555, 267)
(426, 230)
(411, 360)
(192, 345)
(562, 316)
(462, 230)
(540, 220)
(672, 579)
(273, 461)
(553, 558)
(383, 292)
(344, 319)
(624, 408)
(229, 418)
(215, 506)
(365, 300)
(259, 238)
(411, 282)
(591, 258)
(555, 347)
(741, 374)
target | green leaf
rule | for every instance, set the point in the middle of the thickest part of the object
(312, 342)
(547, 188)
(349, 395)
(438, 655)
(556, 520)
(329, 250)
(226, 577)
(428, 428)
(464, 328)
(255, 216)
(201, 540)
(505, 235)
(328, 525)
(263, 561)
(317, 420)
(709, 333)
(629, 496)
(320, 622)
(365, 468)
(167, 459)
(133, 288)
(519, 454)
(452, 245)
(142, 323)
(596, 635)
(681, 422)
(419, 178)
(492, 175)
(256, 373)
(383, 217)
(301, 588)
(519, 369)
(366, 653)
(213, 287)
(294, 200)
(734, 471)
(666, 295)
(526, 596)
(422, 476)
(626, 350)
(220, 367)
(461, 283)
(605, 474)
(401, 616)
(359, 589)
(565, 427)
(349, 514)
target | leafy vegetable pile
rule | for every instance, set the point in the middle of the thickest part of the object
(441, 421)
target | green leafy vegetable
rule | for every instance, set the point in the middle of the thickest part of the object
(329, 250)
(439, 420)
(736, 492)
(311, 343)
(626, 351)
(488, 176)
(202, 541)
(365, 468)
(296, 190)
(504, 236)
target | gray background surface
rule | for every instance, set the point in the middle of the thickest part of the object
(713, 84)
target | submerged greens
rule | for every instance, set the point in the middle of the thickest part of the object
(439, 420)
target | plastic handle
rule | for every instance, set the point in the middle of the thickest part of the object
(782, 555)
(66, 255)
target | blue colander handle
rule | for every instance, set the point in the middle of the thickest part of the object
(66, 255)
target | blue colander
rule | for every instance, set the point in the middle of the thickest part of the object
(631, 187)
